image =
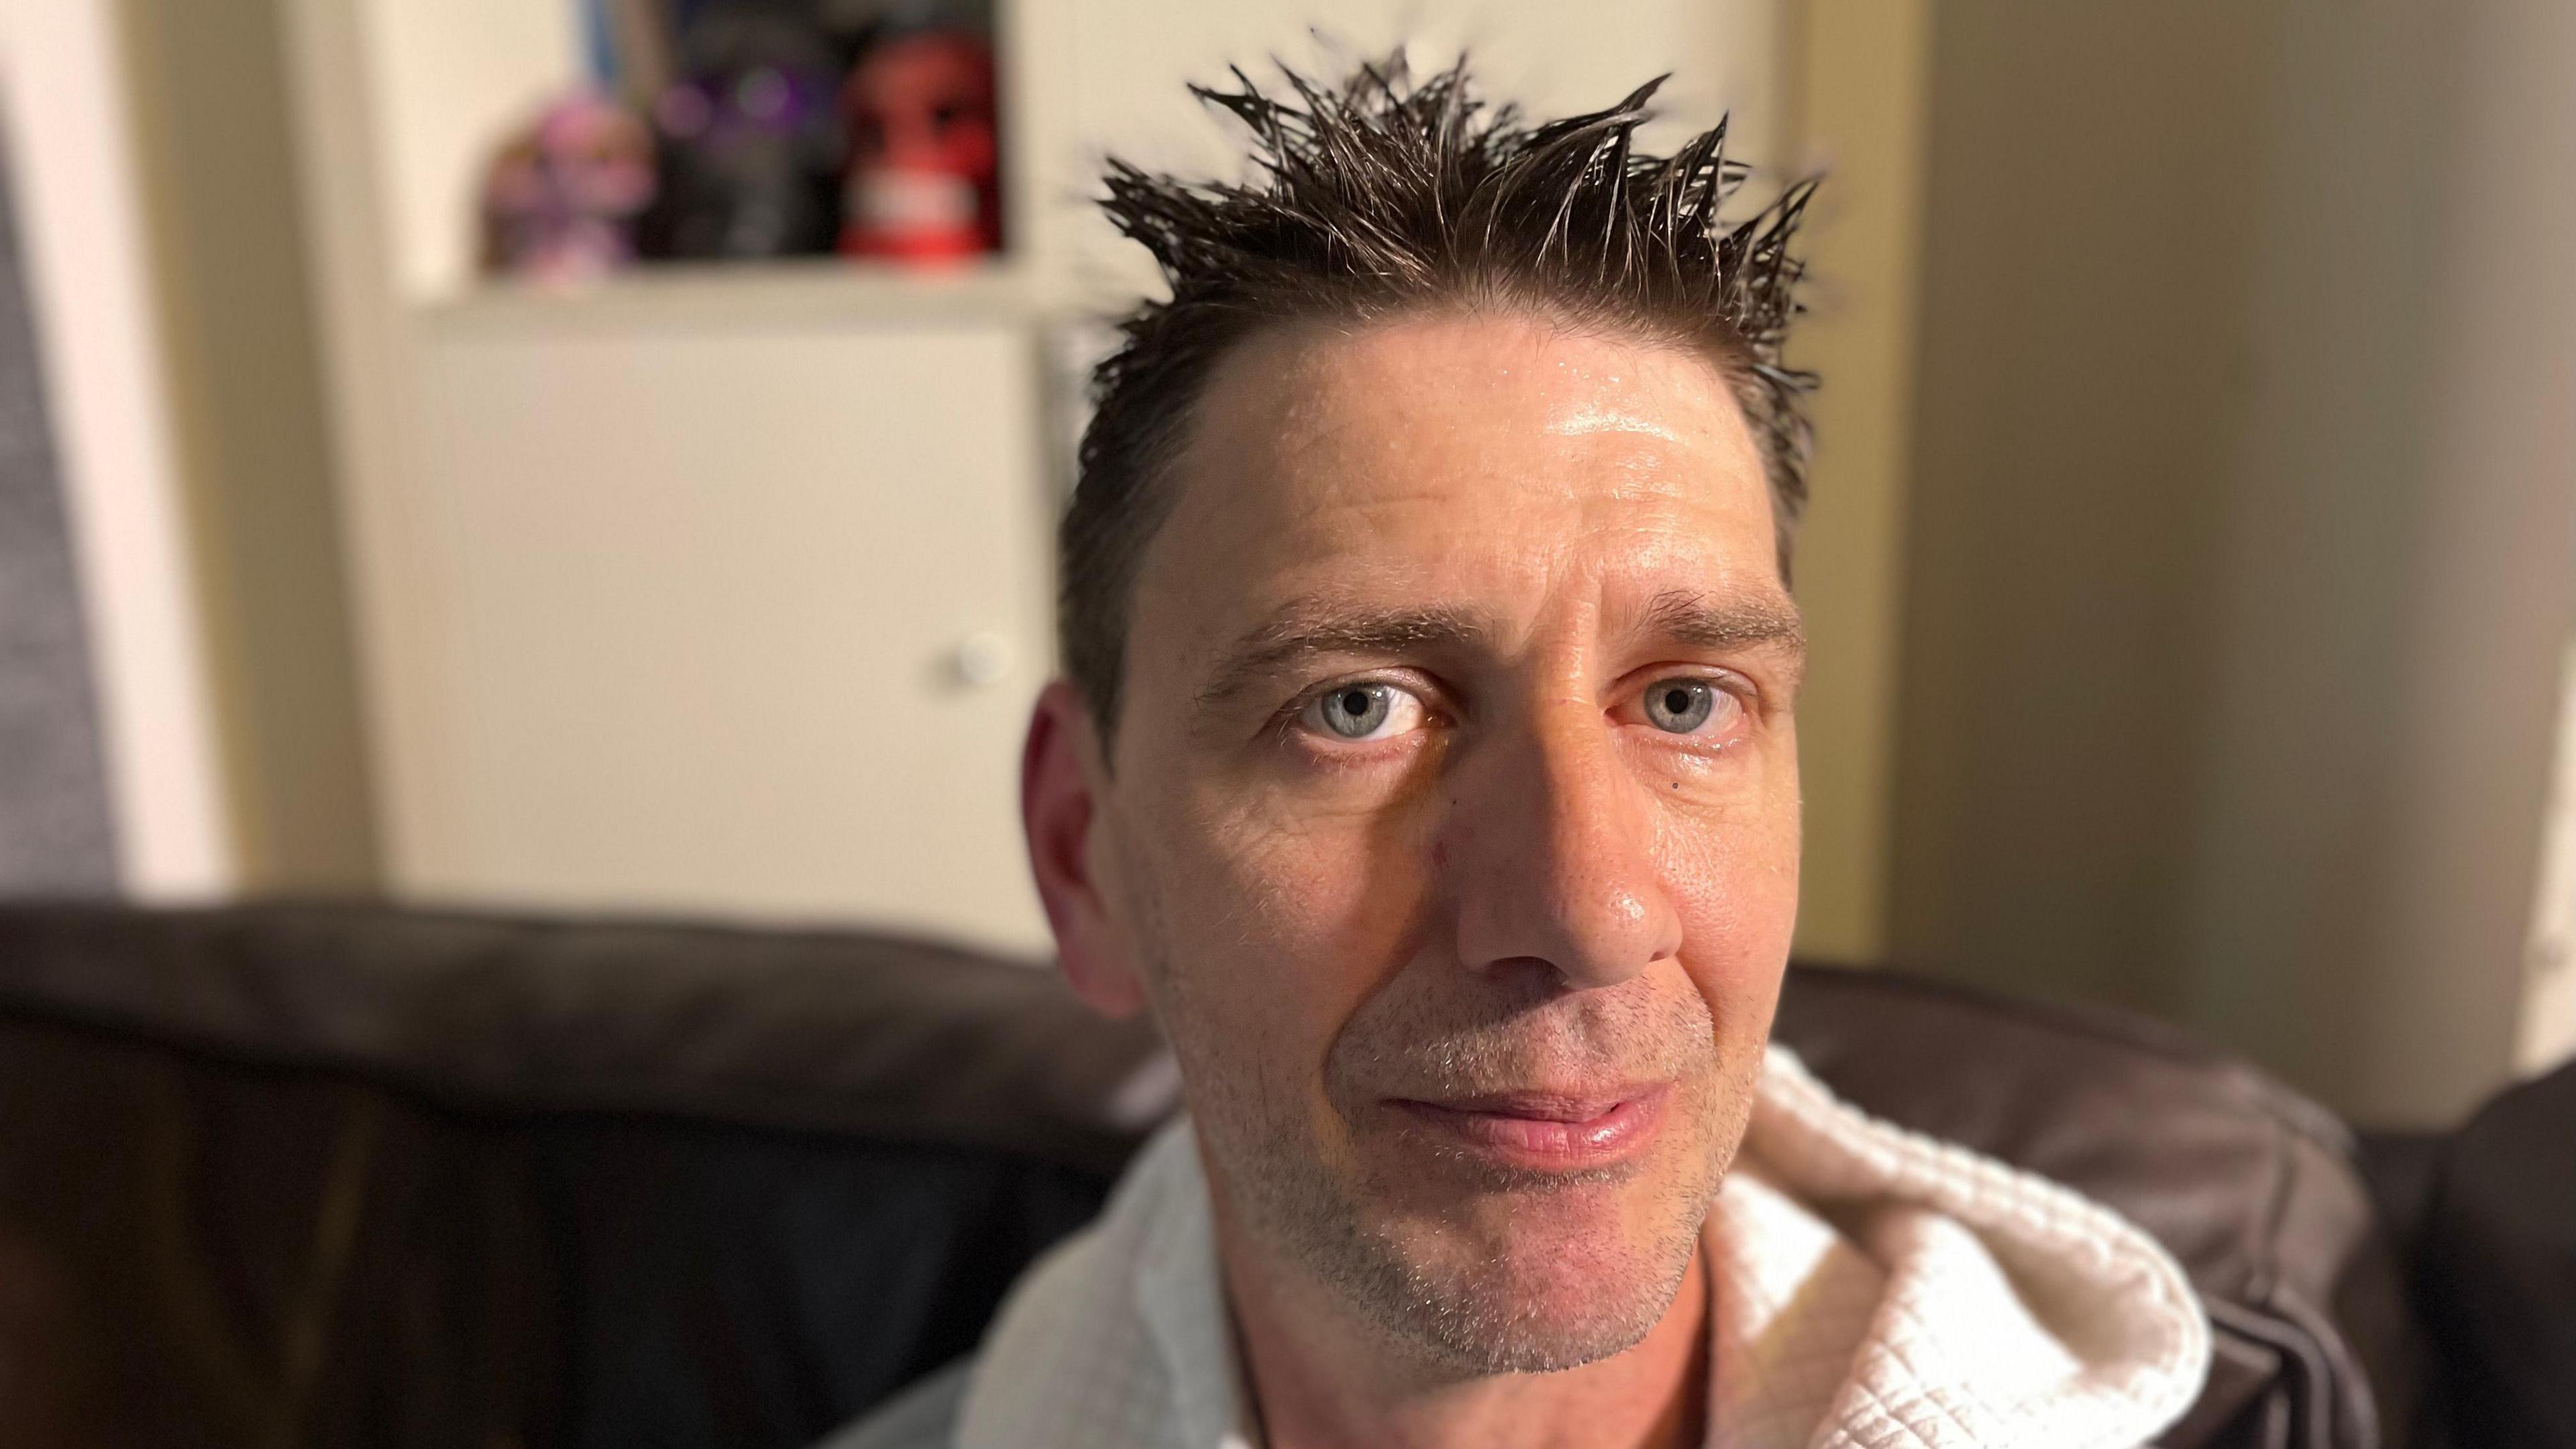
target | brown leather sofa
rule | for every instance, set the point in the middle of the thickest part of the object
(323, 1175)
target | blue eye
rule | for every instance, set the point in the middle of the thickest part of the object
(1680, 706)
(1355, 711)
(1363, 710)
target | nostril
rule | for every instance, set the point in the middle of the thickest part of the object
(1526, 979)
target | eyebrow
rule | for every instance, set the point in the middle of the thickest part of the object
(1681, 616)
(1308, 628)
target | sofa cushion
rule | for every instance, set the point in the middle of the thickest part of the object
(836, 1032)
(344, 1175)
(2496, 1271)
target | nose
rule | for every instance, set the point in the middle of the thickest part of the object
(1549, 854)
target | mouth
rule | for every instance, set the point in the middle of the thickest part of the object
(1545, 1131)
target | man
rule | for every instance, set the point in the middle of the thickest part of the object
(1427, 767)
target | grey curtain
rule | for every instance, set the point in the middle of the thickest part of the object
(55, 831)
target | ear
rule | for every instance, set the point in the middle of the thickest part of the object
(1062, 776)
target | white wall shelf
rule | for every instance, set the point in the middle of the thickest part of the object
(803, 291)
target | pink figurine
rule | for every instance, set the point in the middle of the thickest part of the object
(561, 199)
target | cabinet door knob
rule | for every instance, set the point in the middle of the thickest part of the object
(980, 659)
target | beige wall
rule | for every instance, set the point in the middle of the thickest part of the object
(2091, 210)
(2241, 552)
(1857, 79)
(215, 155)
(1129, 60)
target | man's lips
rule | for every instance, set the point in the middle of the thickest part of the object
(1557, 1130)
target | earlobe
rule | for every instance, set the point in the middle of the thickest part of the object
(1061, 813)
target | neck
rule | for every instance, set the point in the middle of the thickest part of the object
(1320, 1380)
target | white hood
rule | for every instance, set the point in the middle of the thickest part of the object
(1870, 1288)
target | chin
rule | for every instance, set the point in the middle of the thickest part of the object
(1532, 1281)
(1543, 1304)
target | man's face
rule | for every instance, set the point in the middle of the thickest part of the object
(1451, 828)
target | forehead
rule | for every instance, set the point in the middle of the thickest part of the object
(1476, 458)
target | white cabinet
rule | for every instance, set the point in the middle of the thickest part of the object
(739, 620)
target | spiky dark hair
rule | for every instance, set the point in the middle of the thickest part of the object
(1389, 194)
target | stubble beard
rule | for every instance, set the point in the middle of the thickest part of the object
(1456, 1308)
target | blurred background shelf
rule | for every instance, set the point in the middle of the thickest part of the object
(803, 291)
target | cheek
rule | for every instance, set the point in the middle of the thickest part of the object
(1281, 928)
(1733, 874)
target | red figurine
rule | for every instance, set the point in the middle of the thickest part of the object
(924, 182)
